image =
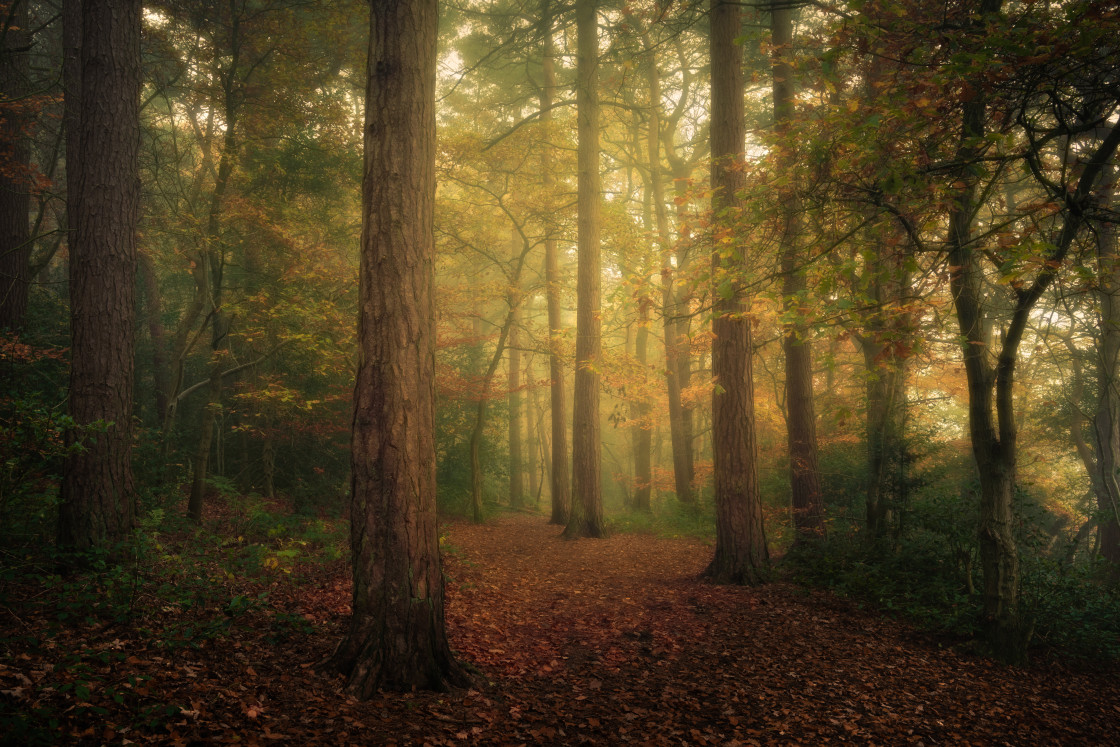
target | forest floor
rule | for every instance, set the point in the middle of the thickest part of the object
(606, 642)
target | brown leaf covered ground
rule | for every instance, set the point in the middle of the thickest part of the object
(611, 641)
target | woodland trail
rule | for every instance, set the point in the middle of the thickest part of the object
(605, 642)
(617, 640)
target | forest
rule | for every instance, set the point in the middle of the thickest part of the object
(559, 371)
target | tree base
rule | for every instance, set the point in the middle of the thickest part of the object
(724, 570)
(367, 670)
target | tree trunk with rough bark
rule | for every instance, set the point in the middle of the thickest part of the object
(397, 636)
(679, 435)
(560, 484)
(586, 517)
(741, 556)
(104, 199)
(15, 167)
(1106, 421)
(801, 420)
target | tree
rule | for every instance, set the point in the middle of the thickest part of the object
(396, 637)
(1105, 467)
(560, 494)
(1027, 269)
(514, 397)
(804, 472)
(741, 556)
(15, 155)
(104, 199)
(586, 519)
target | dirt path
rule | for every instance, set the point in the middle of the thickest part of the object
(602, 642)
(616, 640)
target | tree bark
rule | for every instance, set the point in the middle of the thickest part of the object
(514, 397)
(641, 435)
(1106, 421)
(993, 440)
(104, 196)
(801, 420)
(741, 556)
(991, 384)
(680, 435)
(560, 494)
(586, 518)
(15, 167)
(396, 637)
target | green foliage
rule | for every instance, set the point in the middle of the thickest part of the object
(910, 580)
(927, 571)
(1076, 612)
(671, 519)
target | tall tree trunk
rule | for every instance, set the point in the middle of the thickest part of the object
(681, 357)
(642, 435)
(15, 167)
(886, 407)
(545, 446)
(512, 301)
(205, 443)
(801, 421)
(1106, 422)
(213, 259)
(157, 335)
(679, 434)
(741, 556)
(514, 397)
(560, 493)
(586, 519)
(532, 439)
(883, 343)
(104, 186)
(397, 636)
(993, 440)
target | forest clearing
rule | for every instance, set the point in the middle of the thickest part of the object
(611, 641)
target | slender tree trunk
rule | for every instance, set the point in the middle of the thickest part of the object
(532, 440)
(397, 636)
(15, 167)
(586, 519)
(157, 335)
(642, 435)
(801, 421)
(885, 348)
(213, 262)
(487, 380)
(560, 493)
(205, 444)
(886, 407)
(682, 320)
(514, 401)
(741, 556)
(477, 512)
(679, 434)
(1106, 422)
(545, 446)
(104, 186)
(993, 445)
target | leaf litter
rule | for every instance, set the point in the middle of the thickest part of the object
(612, 641)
